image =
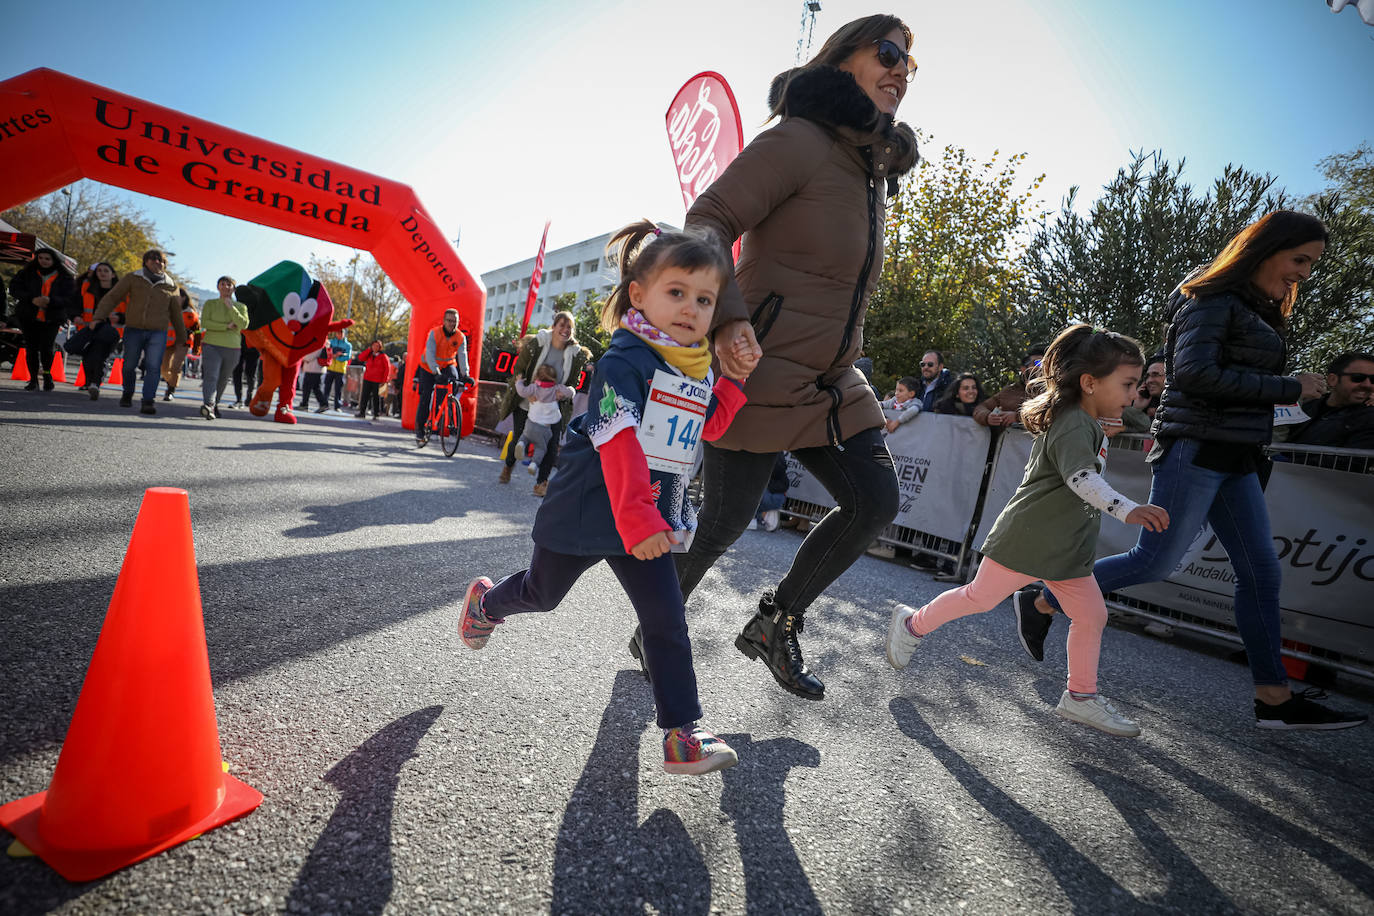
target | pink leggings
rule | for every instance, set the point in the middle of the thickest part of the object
(1080, 598)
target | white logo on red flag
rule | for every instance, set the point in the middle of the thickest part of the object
(704, 132)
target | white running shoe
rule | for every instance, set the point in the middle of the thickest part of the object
(901, 645)
(771, 520)
(1098, 713)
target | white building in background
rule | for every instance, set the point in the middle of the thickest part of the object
(580, 268)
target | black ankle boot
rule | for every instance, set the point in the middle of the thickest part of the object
(771, 636)
(637, 651)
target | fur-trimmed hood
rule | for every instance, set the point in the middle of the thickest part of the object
(832, 97)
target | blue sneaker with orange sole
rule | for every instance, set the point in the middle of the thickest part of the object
(692, 750)
(476, 627)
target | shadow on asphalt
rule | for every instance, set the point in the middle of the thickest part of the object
(1088, 887)
(258, 614)
(404, 507)
(349, 867)
(605, 860)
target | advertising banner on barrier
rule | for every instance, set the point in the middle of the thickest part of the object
(1323, 532)
(1013, 452)
(939, 463)
(1324, 536)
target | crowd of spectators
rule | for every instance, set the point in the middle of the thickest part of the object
(163, 335)
(1340, 419)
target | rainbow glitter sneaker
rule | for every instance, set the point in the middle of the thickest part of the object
(692, 751)
(476, 627)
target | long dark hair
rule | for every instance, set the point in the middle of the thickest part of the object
(1233, 270)
(1079, 349)
(58, 264)
(950, 403)
(91, 279)
(837, 49)
(641, 250)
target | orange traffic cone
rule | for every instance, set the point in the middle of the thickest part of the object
(80, 376)
(117, 372)
(59, 373)
(140, 769)
(20, 372)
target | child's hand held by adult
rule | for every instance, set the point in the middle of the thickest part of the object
(654, 546)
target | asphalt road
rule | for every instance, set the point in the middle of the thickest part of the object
(404, 773)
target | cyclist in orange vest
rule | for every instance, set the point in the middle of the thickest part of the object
(445, 359)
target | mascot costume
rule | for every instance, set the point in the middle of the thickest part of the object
(288, 319)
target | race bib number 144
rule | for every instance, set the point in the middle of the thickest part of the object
(674, 414)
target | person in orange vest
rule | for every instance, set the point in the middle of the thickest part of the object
(45, 296)
(445, 358)
(174, 356)
(98, 281)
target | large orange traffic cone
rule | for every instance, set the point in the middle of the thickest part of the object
(116, 372)
(80, 376)
(20, 372)
(59, 373)
(140, 769)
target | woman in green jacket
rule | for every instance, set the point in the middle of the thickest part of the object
(222, 320)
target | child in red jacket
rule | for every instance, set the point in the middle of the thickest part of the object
(376, 370)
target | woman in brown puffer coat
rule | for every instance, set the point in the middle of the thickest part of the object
(809, 198)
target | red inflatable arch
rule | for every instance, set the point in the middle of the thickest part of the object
(56, 129)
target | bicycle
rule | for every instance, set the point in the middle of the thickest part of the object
(445, 417)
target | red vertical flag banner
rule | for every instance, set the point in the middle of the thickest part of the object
(534, 280)
(704, 133)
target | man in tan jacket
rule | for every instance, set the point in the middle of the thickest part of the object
(152, 308)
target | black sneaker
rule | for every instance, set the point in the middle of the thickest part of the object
(32, 385)
(1298, 712)
(147, 408)
(1031, 625)
(126, 400)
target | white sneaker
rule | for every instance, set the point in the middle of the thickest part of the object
(771, 520)
(1098, 713)
(901, 645)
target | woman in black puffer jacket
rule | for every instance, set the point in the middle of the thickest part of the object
(1224, 356)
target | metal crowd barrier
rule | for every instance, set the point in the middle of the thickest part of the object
(1340, 654)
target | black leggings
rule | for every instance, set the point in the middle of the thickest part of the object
(860, 479)
(247, 368)
(519, 418)
(371, 397)
(39, 337)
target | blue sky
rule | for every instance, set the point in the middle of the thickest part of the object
(503, 114)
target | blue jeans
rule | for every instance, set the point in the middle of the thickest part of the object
(1234, 505)
(150, 345)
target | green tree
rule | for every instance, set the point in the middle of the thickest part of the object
(1115, 266)
(1335, 308)
(103, 227)
(378, 310)
(955, 233)
(587, 323)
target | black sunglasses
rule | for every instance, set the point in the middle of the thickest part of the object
(890, 54)
(1359, 378)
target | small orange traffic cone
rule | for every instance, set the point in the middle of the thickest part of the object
(140, 770)
(20, 372)
(59, 373)
(117, 372)
(80, 376)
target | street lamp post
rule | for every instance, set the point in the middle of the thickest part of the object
(66, 223)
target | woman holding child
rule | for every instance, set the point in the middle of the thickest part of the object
(808, 196)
